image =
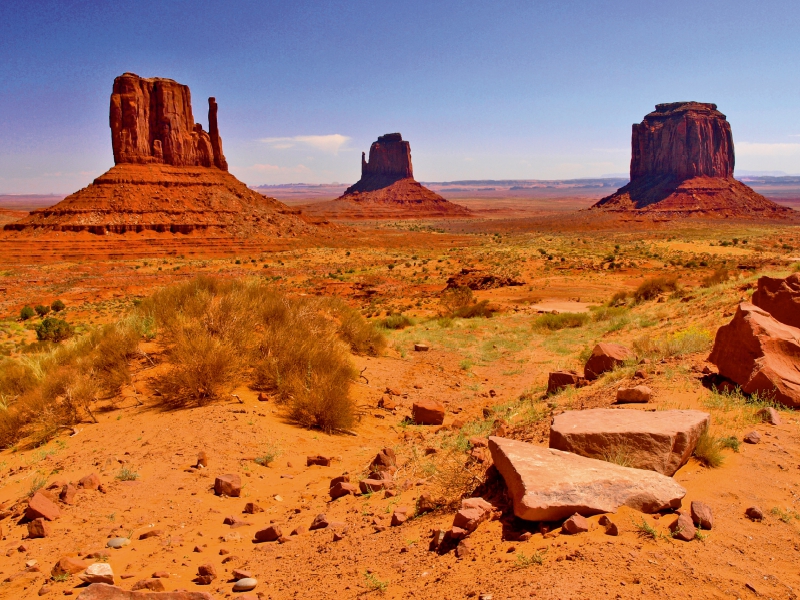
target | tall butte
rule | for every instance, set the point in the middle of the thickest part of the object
(169, 175)
(387, 188)
(682, 164)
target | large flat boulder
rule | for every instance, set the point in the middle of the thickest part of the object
(780, 298)
(660, 441)
(760, 354)
(548, 485)
(103, 591)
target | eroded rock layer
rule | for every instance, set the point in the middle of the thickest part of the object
(142, 197)
(682, 160)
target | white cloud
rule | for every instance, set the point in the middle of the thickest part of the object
(326, 143)
(761, 149)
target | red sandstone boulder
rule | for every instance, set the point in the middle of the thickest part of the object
(575, 524)
(683, 529)
(760, 354)
(40, 506)
(637, 394)
(89, 482)
(473, 512)
(604, 358)
(228, 485)
(547, 485)
(270, 534)
(559, 380)
(428, 412)
(780, 298)
(39, 528)
(661, 441)
(68, 565)
(341, 489)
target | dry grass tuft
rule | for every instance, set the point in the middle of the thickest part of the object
(650, 288)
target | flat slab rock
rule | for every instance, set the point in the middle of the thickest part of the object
(549, 485)
(660, 441)
(102, 591)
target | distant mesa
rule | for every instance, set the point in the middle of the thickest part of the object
(682, 161)
(169, 175)
(387, 188)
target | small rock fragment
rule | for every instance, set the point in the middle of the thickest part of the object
(576, 524)
(154, 585)
(754, 513)
(322, 461)
(228, 485)
(270, 534)
(682, 528)
(752, 438)
(702, 515)
(319, 522)
(40, 506)
(118, 542)
(39, 528)
(98, 573)
(252, 508)
(245, 585)
(769, 415)
(638, 394)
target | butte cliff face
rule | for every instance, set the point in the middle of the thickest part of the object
(169, 175)
(387, 188)
(152, 123)
(682, 161)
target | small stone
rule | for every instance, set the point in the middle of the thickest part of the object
(702, 515)
(341, 489)
(68, 565)
(40, 506)
(118, 542)
(428, 412)
(67, 495)
(98, 573)
(683, 528)
(45, 589)
(319, 522)
(464, 549)
(769, 415)
(39, 528)
(754, 513)
(270, 534)
(610, 527)
(752, 438)
(245, 585)
(206, 574)
(576, 524)
(154, 585)
(252, 508)
(234, 522)
(322, 461)
(399, 516)
(421, 347)
(262, 397)
(228, 485)
(151, 533)
(337, 537)
(202, 459)
(241, 574)
(299, 530)
(89, 482)
(638, 394)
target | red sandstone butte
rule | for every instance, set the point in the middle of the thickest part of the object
(387, 188)
(682, 163)
(170, 176)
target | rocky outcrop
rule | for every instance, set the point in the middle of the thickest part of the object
(387, 189)
(549, 485)
(682, 161)
(760, 354)
(661, 441)
(152, 122)
(780, 298)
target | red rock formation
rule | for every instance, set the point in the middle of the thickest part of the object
(387, 189)
(170, 175)
(760, 354)
(151, 122)
(682, 163)
(780, 298)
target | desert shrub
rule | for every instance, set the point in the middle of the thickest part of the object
(58, 306)
(41, 309)
(709, 450)
(455, 299)
(52, 329)
(26, 313)
(556, 321)
(650, 288)
(478, 309)
(219, 334)
(618, 298)
(717, 277)
(396, 321)
(688, 341)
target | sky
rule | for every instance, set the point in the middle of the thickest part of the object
(539, 89)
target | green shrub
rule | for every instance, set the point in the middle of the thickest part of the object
(53, 330)
(58, 306)
(556, 321)
(396, 321)
(26, 313)
(41, 309)
(650, 288)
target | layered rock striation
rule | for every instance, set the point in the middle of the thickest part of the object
(682, 161)
(387, 188)
(170, 175)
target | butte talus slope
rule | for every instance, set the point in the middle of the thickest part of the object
(682, 162)
(169, 175)
(387, 188)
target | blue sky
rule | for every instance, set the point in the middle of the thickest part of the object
(500, 90)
